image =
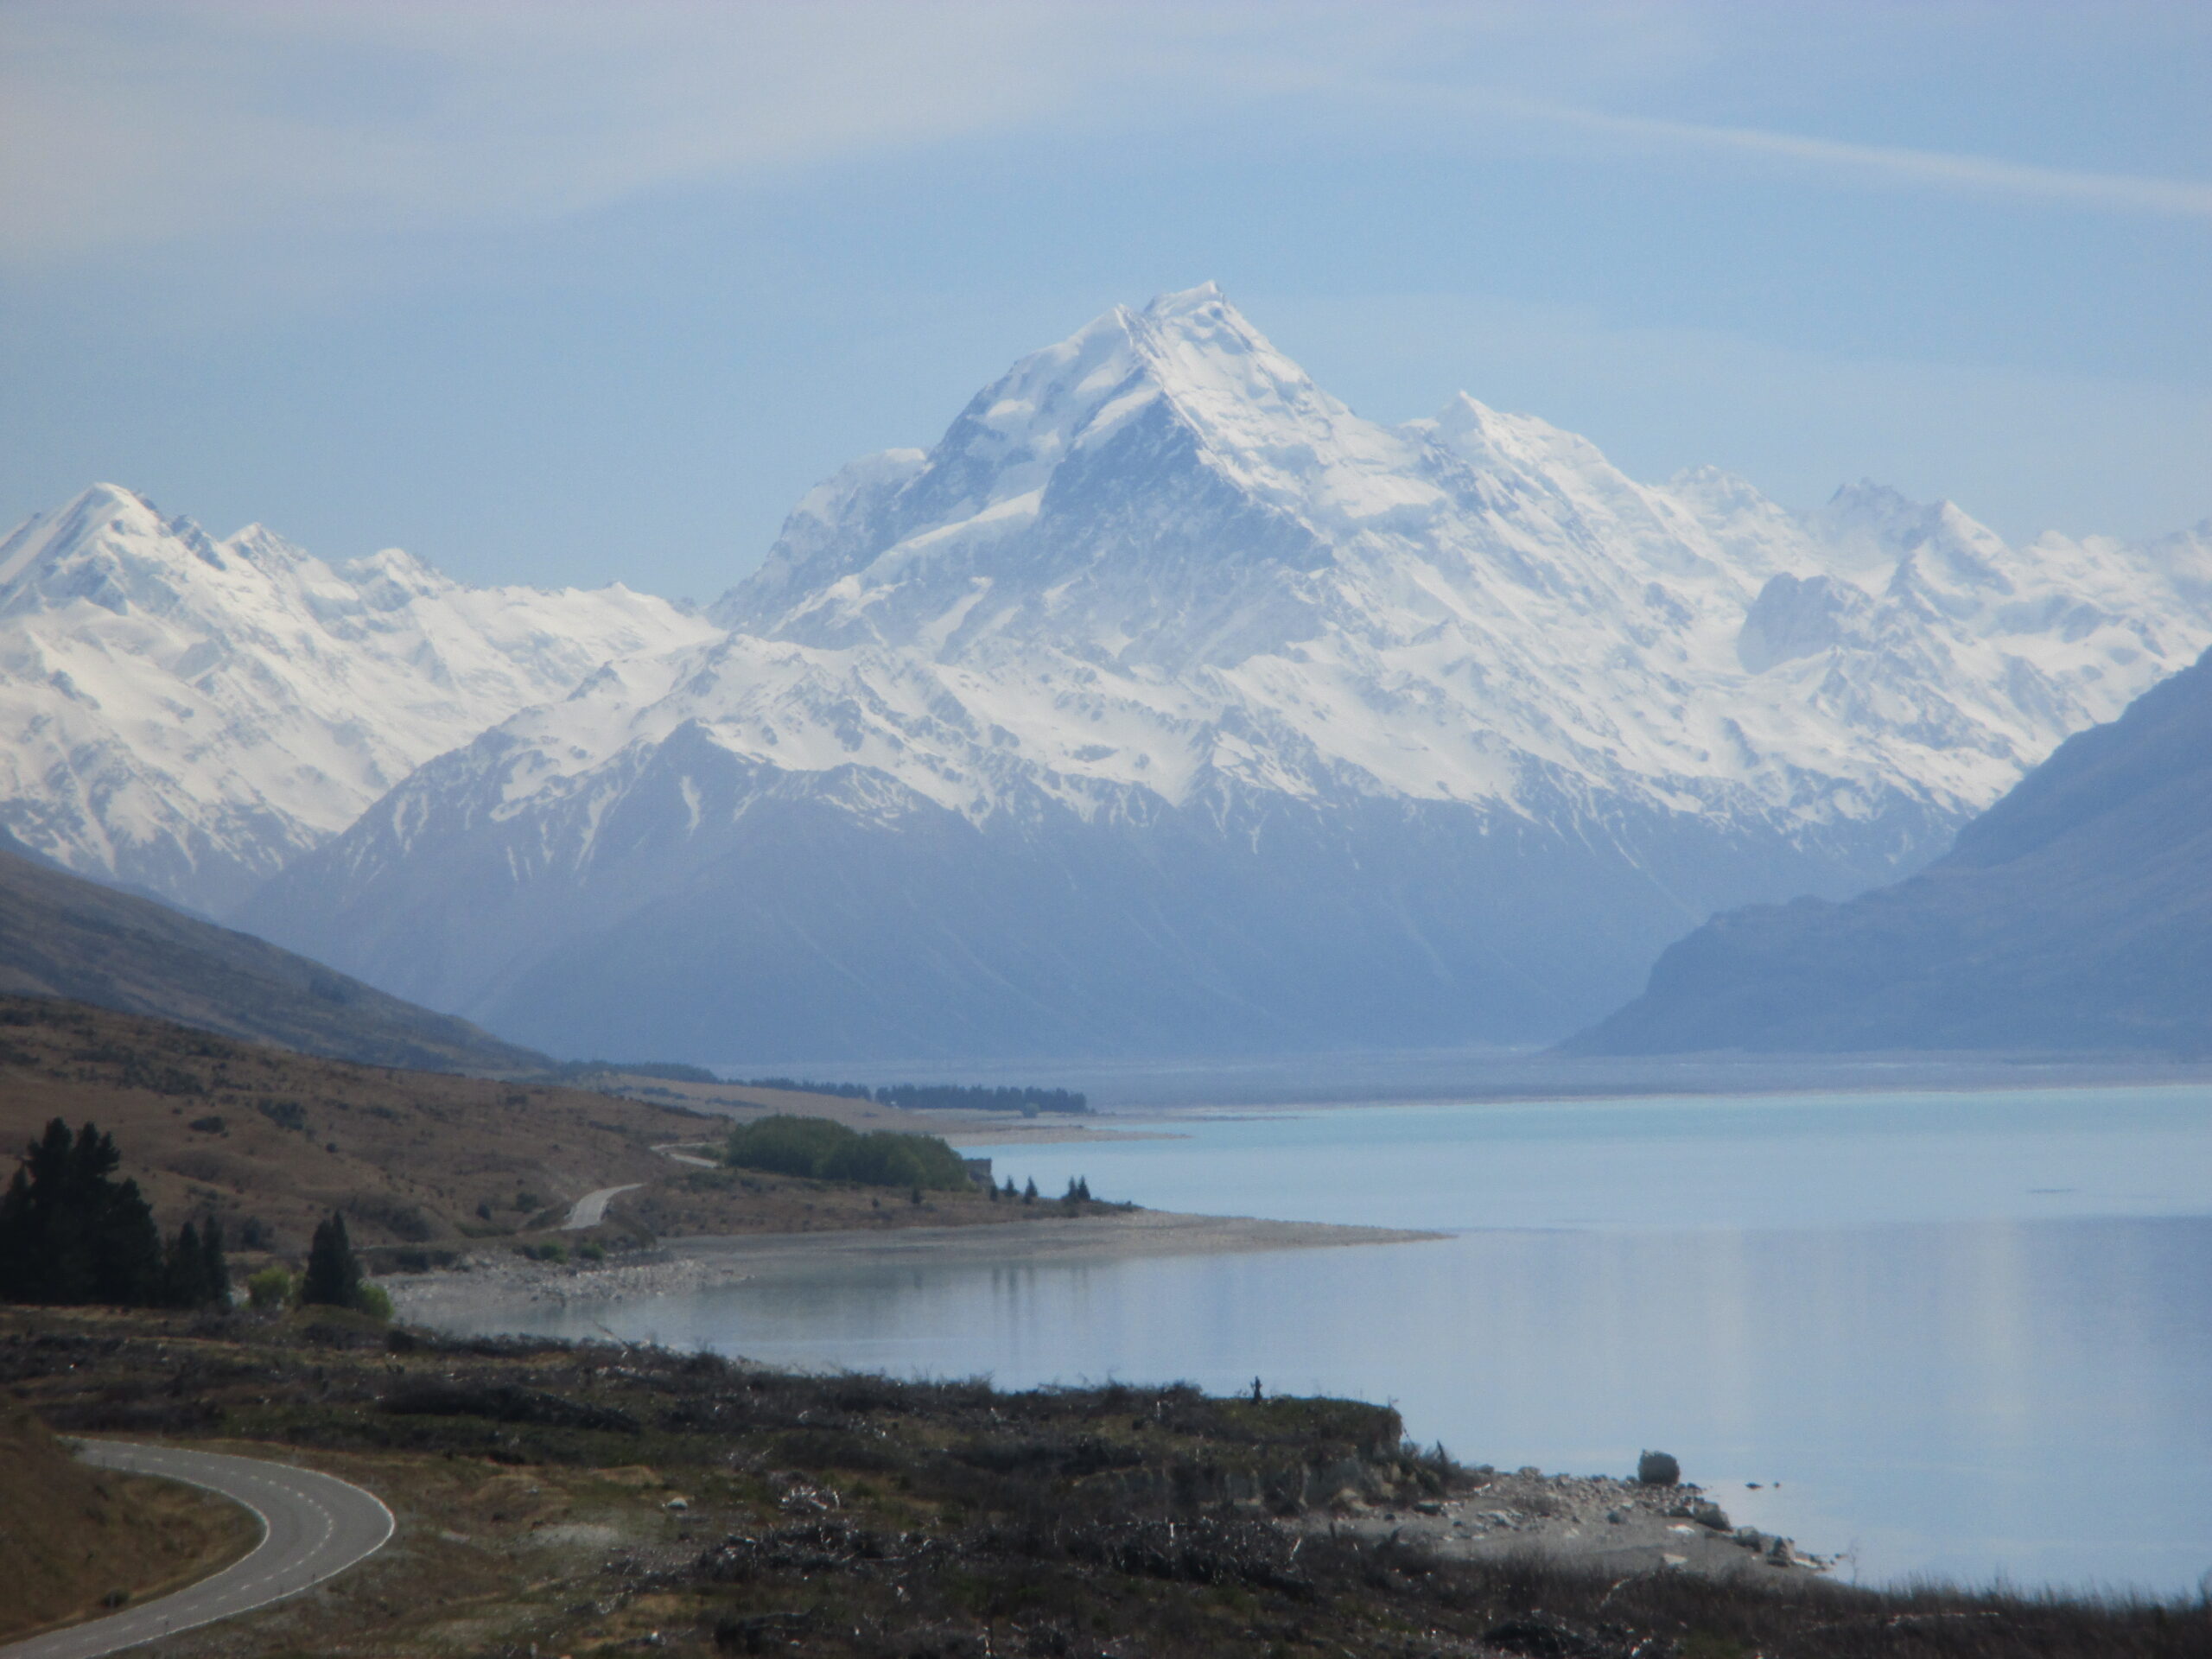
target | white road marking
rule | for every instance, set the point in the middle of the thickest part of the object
(314, 1526)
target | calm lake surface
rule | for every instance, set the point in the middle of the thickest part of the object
(1960, 1334)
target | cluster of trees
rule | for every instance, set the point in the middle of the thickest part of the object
(1078, 1191)
(71, 1234)
(937, 1096)
(334, 1278)
(824, 1151)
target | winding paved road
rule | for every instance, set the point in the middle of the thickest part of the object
(591, 1209)
(313, 1526)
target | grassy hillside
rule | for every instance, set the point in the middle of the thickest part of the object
(596, 1500)
(72, 1537)
(271, 1141)
(63, 936)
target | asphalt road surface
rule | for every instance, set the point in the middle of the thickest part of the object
(591, 1209)
(313, 1526)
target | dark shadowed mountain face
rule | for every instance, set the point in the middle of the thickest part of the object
(63, 936)
(2075, 913)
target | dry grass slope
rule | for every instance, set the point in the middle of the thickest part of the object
(270, 1141)
(72, 1537)
(255, 1134)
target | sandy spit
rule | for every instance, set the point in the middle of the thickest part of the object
(493, 1280)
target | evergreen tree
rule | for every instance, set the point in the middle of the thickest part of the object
(1029, 1193)
(214, 1268)
(194, 1274)
(70, 1233)
(181, 1268)
(334, 1277)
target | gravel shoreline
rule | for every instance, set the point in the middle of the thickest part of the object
(1621, 1526)
(488, 1282)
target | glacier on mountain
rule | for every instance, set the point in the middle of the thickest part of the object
(185, 715)
(1167, 705)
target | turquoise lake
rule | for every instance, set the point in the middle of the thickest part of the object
(1964, 1334)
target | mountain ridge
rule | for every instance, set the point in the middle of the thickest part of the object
(183, 715)
(2075, 915)
(1161, 657)
(63, 936)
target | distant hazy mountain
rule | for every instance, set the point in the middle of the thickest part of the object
(63, 936)
(1166, 704)
(2076, 913)
(183, 715)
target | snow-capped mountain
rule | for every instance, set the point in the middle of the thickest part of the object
(1168, 703)
(184, 716)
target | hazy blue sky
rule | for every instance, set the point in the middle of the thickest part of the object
(579, 293)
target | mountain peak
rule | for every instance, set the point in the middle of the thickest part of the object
(1185, 302)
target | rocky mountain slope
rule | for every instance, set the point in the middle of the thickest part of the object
(1166, 704)
(2076, 913)
(184, 716)
(62, 936)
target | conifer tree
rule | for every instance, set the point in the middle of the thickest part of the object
(70, 1233)
(334, 1277)
(194, 1274)
(214, 1268)
(181, 1268)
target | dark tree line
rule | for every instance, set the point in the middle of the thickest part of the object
(70, 1233)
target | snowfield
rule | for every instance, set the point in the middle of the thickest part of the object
(1165, 705)
(187, 715)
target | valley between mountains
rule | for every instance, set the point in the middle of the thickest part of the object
(1166, 705)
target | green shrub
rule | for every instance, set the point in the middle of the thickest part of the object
(375, 1302)
(269, 1288)
(819, 1149)
(589, 1251)
(784, 1145)
(884, 1159)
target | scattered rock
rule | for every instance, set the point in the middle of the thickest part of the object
(1705, 1512)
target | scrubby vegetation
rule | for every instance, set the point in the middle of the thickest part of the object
(721, 1507)
(822, 1150)
(271, 1143)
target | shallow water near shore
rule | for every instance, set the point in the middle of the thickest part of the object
(1964, 1334)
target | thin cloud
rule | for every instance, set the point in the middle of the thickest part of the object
(1938, 169)
(149, 124)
